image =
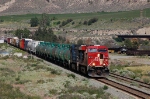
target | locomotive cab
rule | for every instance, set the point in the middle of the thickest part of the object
(97, 61)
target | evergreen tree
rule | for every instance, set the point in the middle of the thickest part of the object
(45, 20)
(34, 22)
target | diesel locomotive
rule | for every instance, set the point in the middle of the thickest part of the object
(92, 60)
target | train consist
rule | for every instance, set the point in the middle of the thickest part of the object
(92, 60)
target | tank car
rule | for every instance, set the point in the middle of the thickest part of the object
(31, 46)
(91, 60)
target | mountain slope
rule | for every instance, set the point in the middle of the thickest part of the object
(69, 6)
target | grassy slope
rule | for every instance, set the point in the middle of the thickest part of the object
(107, 20)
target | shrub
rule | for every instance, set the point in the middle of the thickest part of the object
(66, 22)
(8, 92)
(50, 80)
(34, 22)
(17, 79)
(53, 92)
(69, 96)
(135, 84)
(1, 20)
(85, 22)
(105, 87)
(148, 73)
(22, 81)
(53, 71)
(93, 20)
(58, 22)
(40, 81)
(91, 90)
(73, 23)
(146, 80)
(71, 75)
(66, 84)
(5, 57)
(138, 78)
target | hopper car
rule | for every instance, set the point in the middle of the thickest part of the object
(91, 60)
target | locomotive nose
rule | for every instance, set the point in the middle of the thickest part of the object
(101, 72)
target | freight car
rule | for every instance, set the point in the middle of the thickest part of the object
(92, 60)
(118, 50)
(138, 52)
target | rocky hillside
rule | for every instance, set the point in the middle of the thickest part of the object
(69, 6)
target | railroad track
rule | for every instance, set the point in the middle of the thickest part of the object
(135, 92)
(130, 80)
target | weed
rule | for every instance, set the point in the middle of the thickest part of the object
(53, 71)
(137, 71)
(138, 78)
(134, 84)
(71, 75)
(91, 90)
(70, 96)
(66, 84)
(146, 80)
(50, 80)
(5, 57)
(3, 63)
(40, 60)
(53, 92)
(17, 79)
(39, 67)
(40, 81)
(8, 92)
(7, 72)
(105, 87)
(23, 81)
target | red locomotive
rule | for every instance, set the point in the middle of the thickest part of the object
(91, 60)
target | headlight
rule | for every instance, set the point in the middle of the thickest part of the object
(98, 55)
(104, 64)
(93, 64)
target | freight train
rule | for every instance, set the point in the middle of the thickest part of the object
(91, 60)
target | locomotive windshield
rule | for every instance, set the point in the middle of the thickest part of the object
(92, 50)
(102, 50)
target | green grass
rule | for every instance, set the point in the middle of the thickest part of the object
(106, 20)
(8, 92)
(100, 15)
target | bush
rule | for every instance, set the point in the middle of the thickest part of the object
(1, 20)
(90, 90)
(8, 92)
(22, 81)
(73, 23)
(146, 80)
(66, 84)
(17, 79)
(53, 71)
(69, 96)
(34, 22)
(66, 22)
(40, 81)
(71, 75)
(53, 92)
(93, 20)
(85, 23)
(105, 87)
(138, 78)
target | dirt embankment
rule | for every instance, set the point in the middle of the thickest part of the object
(6, 5)
(71, 6)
